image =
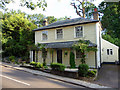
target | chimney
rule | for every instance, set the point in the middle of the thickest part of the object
(45, 22)
(95, 14)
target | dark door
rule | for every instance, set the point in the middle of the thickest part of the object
(59, 56)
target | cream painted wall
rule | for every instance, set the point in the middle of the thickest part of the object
(90, 60)
(68, 34)
(109, 58)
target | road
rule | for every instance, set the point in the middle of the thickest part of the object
(12, 78)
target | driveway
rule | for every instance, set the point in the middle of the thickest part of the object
(109, 75)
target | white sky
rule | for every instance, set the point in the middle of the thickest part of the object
(57, 8)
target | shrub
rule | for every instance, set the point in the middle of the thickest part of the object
(33, 64)
(57, 67)
(45, 67)
(38, 65)
(72, 60)
(44, 64)
(12, 58)
(83, 69)
(91, 73)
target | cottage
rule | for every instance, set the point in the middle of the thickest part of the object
(61, 35)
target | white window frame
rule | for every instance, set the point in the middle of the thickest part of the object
(75, 32)
(42, 35)
(109, 51)
(56, 34)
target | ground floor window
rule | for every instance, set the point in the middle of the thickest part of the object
(109, 52)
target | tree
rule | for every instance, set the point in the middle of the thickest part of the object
(110, 21)
(17, 31)
(25, 3)
(84, 8)
(83, 46)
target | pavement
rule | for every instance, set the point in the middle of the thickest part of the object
(60, 78)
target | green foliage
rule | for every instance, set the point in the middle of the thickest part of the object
(33, 64)
(110, 21)
(84, 7)
(83, 59)
(72, 60)
(115, 41)
(17, 30)
(65, 53)
(12, 58)
(84, 47)
(39, 65)
(83, 69)
(91, 73)
(45, 67)
(57, 67)
(25, 3)
(44, 63)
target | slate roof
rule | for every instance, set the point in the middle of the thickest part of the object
(67, 44)
(68, 22)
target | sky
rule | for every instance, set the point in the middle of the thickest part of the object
(56, 8)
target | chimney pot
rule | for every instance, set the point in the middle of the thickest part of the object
(95, 14)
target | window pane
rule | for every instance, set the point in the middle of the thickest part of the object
(111, 52)
(79, 31)
(44, 35)
(59, 33)
(107, 51)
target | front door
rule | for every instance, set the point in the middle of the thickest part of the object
(59, 56)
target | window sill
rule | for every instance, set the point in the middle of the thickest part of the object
(44, 40)
(59, 39)
(78, 37)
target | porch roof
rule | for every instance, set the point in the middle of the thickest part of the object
(67, 44)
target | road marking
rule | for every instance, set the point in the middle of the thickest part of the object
(15, 80)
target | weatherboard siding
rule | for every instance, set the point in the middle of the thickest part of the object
(68, 34)
(90, 59)
(109, 58)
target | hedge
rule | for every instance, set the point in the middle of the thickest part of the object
(57, 66)
(33, 64)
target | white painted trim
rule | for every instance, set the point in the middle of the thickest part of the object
(98, 44)
(56, 33)
(75, 32)
(110, 43)
(42, 37)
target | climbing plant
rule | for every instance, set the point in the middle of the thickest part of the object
(83, 46)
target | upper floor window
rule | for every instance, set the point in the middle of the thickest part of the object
(44, 35)
(79, 31)
(59, 33)
(109, 52)
(78, 54)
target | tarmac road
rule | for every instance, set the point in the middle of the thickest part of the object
(12, 78)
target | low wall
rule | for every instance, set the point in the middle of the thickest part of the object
(66, 73)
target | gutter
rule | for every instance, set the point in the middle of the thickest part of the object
(39, 29)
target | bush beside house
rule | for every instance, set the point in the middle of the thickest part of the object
(83, 70)
(72, 60)
(57, 67)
